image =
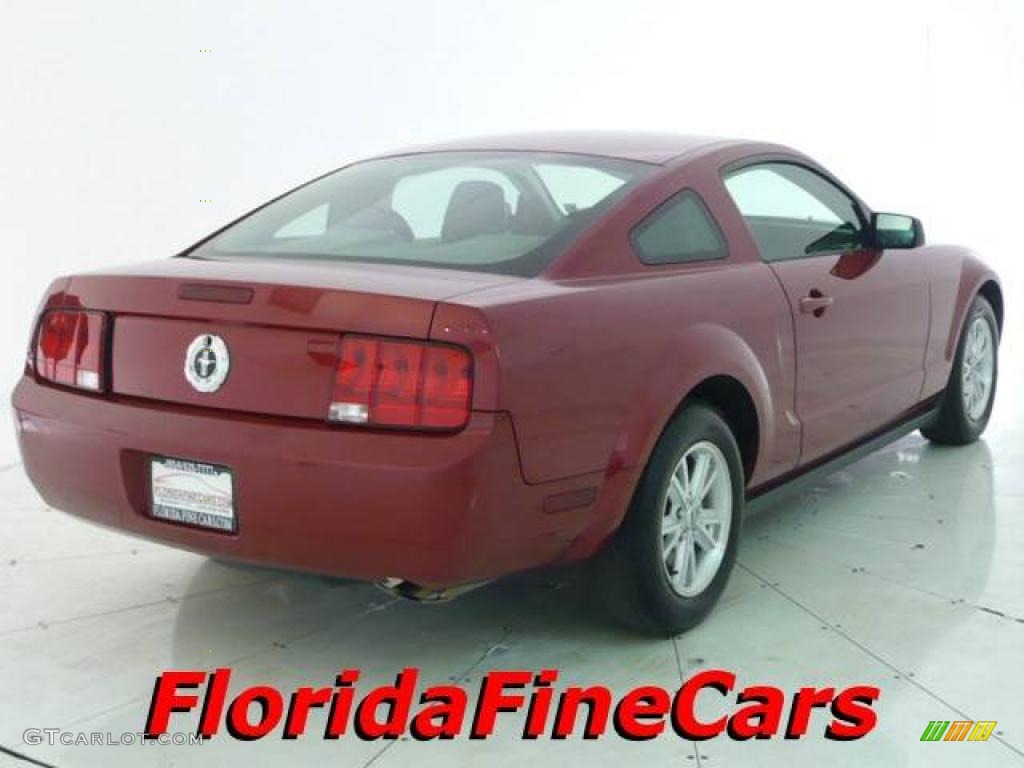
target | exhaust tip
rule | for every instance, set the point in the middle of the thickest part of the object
(409, 590)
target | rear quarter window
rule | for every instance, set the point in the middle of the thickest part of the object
(679, 231)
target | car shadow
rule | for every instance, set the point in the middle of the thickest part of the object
(300, 618)
(285, 623)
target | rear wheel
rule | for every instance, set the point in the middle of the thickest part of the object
(673, 555)
(967, 403)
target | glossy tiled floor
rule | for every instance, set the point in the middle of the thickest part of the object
(905, 571)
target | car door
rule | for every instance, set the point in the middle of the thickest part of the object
(860, 315)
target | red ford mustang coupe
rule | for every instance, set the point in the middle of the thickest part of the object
(446, 364)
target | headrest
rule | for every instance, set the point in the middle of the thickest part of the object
(475, 208)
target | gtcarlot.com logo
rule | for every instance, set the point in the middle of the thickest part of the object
(54, 736)
(958, 730)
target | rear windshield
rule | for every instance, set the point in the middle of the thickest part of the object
(505, 212)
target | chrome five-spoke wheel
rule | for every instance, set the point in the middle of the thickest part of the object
(978, 368)
(696, 516)
(966, 404)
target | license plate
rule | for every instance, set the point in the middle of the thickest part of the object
(192, 493)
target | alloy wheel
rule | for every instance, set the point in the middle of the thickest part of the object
(696, 517)
(978, 368)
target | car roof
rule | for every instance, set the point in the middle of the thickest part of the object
(641, 146)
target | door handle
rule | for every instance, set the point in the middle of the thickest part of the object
(816, 303)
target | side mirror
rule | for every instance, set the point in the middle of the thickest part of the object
(893, 230)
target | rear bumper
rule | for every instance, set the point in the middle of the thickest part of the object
(434, 509)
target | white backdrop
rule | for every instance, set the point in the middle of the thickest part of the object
(116, 124)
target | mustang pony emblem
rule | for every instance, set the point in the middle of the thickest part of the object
(207, 363)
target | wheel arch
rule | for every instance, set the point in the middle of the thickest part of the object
(993, 294)
(729, 393)
(975, 279)
(730, 398)
(708, 362)
(712, 363)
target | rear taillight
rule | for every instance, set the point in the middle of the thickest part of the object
(394, 383)
(69, 348)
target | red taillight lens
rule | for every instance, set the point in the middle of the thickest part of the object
(393, 383)
(447, 386)
(69, 348)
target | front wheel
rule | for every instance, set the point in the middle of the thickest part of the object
(673, 555)
(967, 403)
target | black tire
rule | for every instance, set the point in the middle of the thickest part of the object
(953, 425)
(634, 576)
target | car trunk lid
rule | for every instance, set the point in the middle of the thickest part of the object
(280, 321)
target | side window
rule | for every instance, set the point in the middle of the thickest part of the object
(793, 212)
(679, 231)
